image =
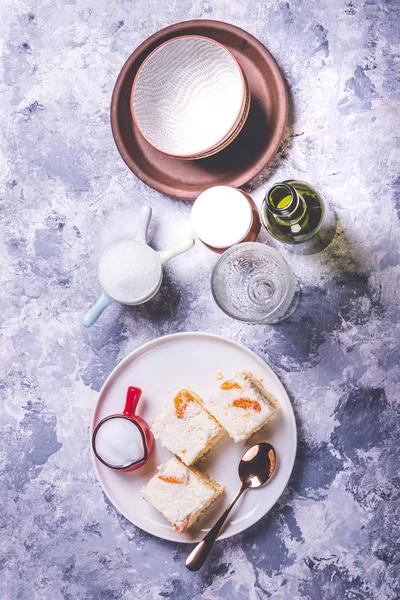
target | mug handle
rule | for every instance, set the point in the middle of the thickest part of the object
(180, 248)
(93, 313)
(132, 398)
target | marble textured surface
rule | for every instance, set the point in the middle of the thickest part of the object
(65, 194)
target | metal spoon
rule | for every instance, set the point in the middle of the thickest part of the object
(256, 467)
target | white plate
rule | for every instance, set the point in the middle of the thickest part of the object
(162, 367)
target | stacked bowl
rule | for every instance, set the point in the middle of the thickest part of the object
(190, 98)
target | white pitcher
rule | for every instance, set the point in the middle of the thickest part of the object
(136, 280)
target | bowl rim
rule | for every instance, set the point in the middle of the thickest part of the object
(226, 136)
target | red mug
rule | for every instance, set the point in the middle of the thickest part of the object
(132, 398)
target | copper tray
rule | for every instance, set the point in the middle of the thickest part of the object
(245, 157)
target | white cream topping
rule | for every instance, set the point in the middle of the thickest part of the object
(179, 498)
(239, 421)
(188, 436)
(119, 442)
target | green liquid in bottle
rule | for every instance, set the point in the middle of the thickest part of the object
(294, 213)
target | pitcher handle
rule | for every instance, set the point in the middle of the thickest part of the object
(143, 224)
(93, 313)
(132, 398)
(183, 246)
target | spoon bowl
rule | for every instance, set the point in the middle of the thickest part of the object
(257, 465)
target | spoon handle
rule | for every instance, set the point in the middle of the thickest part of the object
(197, 557)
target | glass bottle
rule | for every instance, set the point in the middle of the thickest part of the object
(295, 213)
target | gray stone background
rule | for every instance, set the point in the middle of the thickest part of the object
(66, 193)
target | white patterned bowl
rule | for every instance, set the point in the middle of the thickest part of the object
(189, 96)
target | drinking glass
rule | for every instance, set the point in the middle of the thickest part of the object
(252, 282)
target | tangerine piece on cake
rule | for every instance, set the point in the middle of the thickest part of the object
(242, 405)
(181, 493)
(184, 427)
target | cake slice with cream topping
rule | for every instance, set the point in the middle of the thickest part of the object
(184, 427)
(242, 405)
(180, 493)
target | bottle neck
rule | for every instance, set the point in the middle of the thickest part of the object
(285, 203)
